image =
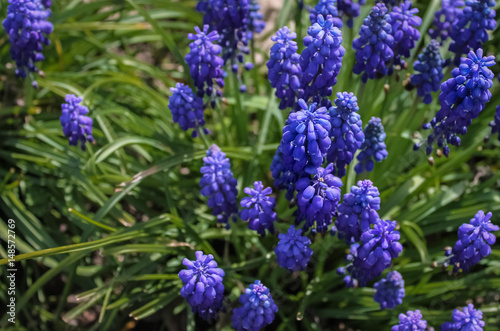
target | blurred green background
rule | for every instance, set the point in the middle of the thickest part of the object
(102, 233)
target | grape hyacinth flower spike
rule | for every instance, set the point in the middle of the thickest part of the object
(76, 125)
(258, 209)
(202, 285)
(187, 109)
(467, 319)
(349, 9)
(444, 18)
(318, 198)
(412, 321)
(27, 27)
(462, 98)
(373, 148)
(346, 133)
(293, 251)
(321, 60)
(219, 185)
(357, 211)
(374, 45)
(326, 8)
(284, 69)
(470, 29)
(474, 242)
(258, 308)
(495, 124)
(430, 65)
(205, 64)
(256, 21)
(405, 23)
(390, 290)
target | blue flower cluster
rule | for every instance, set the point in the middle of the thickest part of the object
(390, 291)
(474, 242)
(257, 311)
(373, 148)
(284, 68)
(346, 132)
(284, 177)
(495, 124)
(187, 108)
(203, 288)
(256, 21)
(318, 198)
(412, 321)
(358, 211)
(326, 8)
(444, 18)
(378, 247)
(350, 9)
(219, 185)
(27, 27)
(430, 65)
(470, 29)
(293, 251)
(76, 125)
(404, 21)
(205, 65)
(462, 98)
(258, 209)
(469, 319)
(321, 60)
(373, 48)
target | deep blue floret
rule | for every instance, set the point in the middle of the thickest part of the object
(373, 148)
(76, 125)
(469, 319)
(357, 211)
(349, 9)
(462, 98)
(257, 311)
(495, 124)
(326, 8)
(205, 65)
(187, 109)
(258, 209)
(346, 133)
(321, 59)
(293, 251)
(412, 321)
(390, 290)
(27, 27)
(318, 198)
(373, 48)
(219, 185)
(430, 68)
(444, 18)
(203, 288)
(378, 247)
(405, 23)
(284, 68)
(256, 21)
(474, 242)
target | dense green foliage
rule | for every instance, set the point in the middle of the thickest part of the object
(111, 225)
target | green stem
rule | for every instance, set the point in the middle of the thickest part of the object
(203, 137)
(239, 114)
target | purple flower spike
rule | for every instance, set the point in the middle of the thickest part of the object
(444, 18)
(187, 108)
(293, 251)
(405, 23)
(412, 321)
(76, 125)
(373, 148)
(326, 8)
(390, 291)
(430, 65)
(258, 209)
(469, 319)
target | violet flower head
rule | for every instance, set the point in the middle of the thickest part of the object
(469, 319)
(474, 242)
(77, 126)
(258, 209)
(349, 9)
(326, 8)
(202, 285)
(412, 321)
(373, 148)
(284, 68)
(358, 211)
(318, 198)
(258, 308)
(27, 26)
(444, 18)
(405, 23)
(462, 98)
(390, 290)
(293, 251)
(205, 64)
(346, 133)
(256, 21)
(284, 177)
(373, 48)
(187, 109)
(219, 185)
(430, 67)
